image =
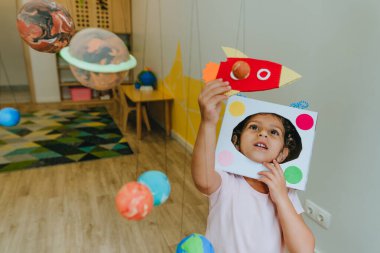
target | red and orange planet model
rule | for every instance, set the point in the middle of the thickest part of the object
(45, 25)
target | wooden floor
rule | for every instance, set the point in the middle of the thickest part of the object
(70, 208)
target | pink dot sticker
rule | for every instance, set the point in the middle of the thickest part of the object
(225, 158)
(305, 121)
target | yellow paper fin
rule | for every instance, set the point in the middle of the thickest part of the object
(288, 76)
(233, 53)
(231, 93)
(210, 71)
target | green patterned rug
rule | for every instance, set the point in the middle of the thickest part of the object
(51, 137)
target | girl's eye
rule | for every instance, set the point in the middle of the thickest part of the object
(275, 132)
(253, 127)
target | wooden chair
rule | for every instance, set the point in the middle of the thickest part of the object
(125, 107)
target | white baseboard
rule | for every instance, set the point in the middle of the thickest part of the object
(189, 147)
(52, 99)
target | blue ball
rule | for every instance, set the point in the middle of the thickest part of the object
(195, 243)
(158, 183)
(9, 117)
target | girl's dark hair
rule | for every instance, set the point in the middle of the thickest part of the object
(292, 139)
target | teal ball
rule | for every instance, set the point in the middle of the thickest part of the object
(158, 183)
(9, 117)
(195, 243)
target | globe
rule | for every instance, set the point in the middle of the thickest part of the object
(98, 58)
(45, 25)
(146, 78)
(134, 201)
(158, 184)
(195, 243)
(9, 117)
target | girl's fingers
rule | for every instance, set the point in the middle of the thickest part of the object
(212, 89)
(217, 99)
(267, 181)
(217, 91)
(271, 167)
(278, 168)
(267, 174)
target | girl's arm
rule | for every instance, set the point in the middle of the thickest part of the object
(297, 236)
(206, 179)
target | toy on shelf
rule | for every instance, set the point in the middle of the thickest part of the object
(146, 80)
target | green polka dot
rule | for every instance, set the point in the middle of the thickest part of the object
(293, 174)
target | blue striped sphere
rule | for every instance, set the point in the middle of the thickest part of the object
(158, 183)
(195, 243)
(9, 117)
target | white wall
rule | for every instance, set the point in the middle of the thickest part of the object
(10, 46)
(335, 46)
(45, 75)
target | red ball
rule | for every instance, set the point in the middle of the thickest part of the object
(45, 25)
(241, 70)
(134, 201)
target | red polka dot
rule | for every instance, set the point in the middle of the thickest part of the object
(305, 121)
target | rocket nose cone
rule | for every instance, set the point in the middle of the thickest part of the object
(288, 76)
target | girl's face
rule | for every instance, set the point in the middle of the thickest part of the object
(262, 139)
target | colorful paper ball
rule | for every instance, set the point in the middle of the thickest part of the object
(98, 58)
(240, 70)
(134, 201)
(9, 117)
(195, 243)
(158, 183)
(45, 25)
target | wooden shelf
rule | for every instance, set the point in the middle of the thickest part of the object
(70, 84)
(88, 102)
(64, 67)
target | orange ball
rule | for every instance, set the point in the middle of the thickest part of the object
(134, 201)
(241, 70)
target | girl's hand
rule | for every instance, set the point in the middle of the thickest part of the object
(275, 180)
(210, 100)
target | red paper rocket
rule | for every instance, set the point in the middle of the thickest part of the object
(248, 74)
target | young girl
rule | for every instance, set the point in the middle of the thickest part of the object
(248, 215)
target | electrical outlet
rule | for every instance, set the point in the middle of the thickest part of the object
(316, 213)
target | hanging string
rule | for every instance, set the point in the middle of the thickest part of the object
(241, 17)
(244, 27)
(145, 33)
(187, 118)
(196, 9)
(139, 115)
(7, 80)
(207, 165)
(242, 14)
(163, 84)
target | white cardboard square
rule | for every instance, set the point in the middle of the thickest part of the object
(228, 159)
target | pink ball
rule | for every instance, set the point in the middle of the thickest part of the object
(134, 201)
